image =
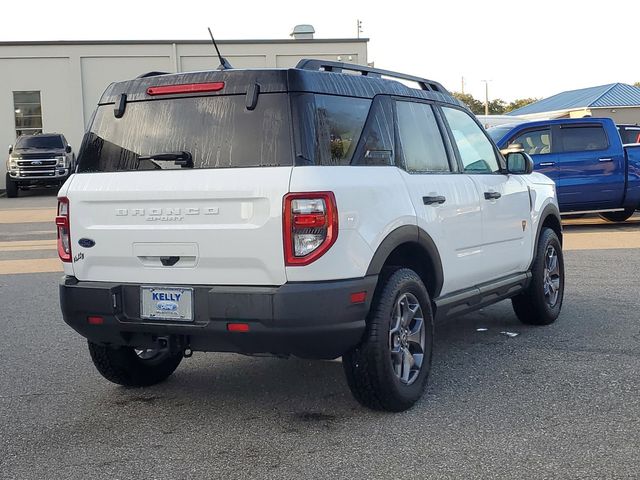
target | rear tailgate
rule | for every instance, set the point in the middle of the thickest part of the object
(206, 227)
(177, 186)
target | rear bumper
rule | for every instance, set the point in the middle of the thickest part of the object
(306, 319)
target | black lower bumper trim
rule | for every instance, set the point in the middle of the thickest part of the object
(306, 319)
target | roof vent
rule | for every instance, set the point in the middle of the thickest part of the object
(303, 32)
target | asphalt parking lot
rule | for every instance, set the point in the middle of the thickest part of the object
(552, 402)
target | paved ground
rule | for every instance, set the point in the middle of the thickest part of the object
(554, 402)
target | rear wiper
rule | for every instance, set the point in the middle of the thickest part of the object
(184, 159)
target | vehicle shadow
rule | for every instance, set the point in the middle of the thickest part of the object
(596, 224)
(317, 391)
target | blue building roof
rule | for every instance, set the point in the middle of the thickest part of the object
(611, 95)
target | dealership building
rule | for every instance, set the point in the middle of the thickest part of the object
(54, 86)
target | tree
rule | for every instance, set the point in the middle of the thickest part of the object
(519, 103)
(476, 106)
(497, 107)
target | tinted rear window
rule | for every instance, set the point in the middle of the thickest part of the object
(218, 132)
(330, 127)
(582, 139)
(630, 135)
(40, 141)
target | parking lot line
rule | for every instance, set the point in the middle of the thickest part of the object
(27, 215)
(20, 245)
(601, 240)
(39, 265)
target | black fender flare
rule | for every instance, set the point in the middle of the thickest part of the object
(409, 234)
(549, 210)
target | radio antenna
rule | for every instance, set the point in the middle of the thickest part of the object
(224, 64)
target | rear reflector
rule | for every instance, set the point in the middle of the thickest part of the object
(238, 327)
(185, 88)
(358, 297)
(95, 320)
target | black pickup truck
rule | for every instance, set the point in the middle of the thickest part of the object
(38, 160)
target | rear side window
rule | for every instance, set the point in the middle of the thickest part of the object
(534, 142)
(420, 138)
(329, 128)
(581, 139)
(218, 132)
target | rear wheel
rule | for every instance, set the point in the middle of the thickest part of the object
(618, 216)
(390, 368)
(134, 367)
(12, 187)
(540, 304)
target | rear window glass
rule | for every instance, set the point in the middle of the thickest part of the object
(630, 135)
(217, 132)
(330, 128)
(40, 141)
(580, 139)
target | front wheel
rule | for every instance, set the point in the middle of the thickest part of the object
(540, 304)
(11, 186)
(390, 368)
(620, 216)
(134, 367)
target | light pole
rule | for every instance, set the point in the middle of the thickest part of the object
(486, 96)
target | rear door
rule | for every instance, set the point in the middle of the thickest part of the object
(590, 170)
(213, 216)
(445, 201)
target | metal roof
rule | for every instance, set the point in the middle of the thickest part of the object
(610, 95)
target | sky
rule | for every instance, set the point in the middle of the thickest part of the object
(522, 48)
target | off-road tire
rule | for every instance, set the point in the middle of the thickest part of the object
(532, 307)
(368, 367)
(123, 366)
(12, 187)
(618, 216)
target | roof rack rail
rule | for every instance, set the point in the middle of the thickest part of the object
(152, 74)
(338, 67)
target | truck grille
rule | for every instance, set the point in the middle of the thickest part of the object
(37, 168)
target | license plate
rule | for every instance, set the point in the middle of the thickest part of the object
(166, 303)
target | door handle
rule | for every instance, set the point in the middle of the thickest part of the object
(605, 160)
(439, 199)
(492, 195)
(547, 164)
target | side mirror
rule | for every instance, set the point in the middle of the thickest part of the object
(68, 149)
(519, 163)
(10, 149)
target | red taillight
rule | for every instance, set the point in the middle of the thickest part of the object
(310, 224)
(64, 232)
(186, 88)
(238, 327)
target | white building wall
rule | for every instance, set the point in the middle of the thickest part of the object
(71, 76)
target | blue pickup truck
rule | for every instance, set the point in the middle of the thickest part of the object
(594, 172)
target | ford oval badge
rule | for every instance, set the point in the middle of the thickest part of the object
(86, 242)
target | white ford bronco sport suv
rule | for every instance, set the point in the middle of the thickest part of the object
(320, 211)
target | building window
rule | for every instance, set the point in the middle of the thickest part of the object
(28, 112)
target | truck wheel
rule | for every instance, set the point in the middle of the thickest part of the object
(540, 304)
(12, 187)
(132, 367)
(618, 216)
(390, 367)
